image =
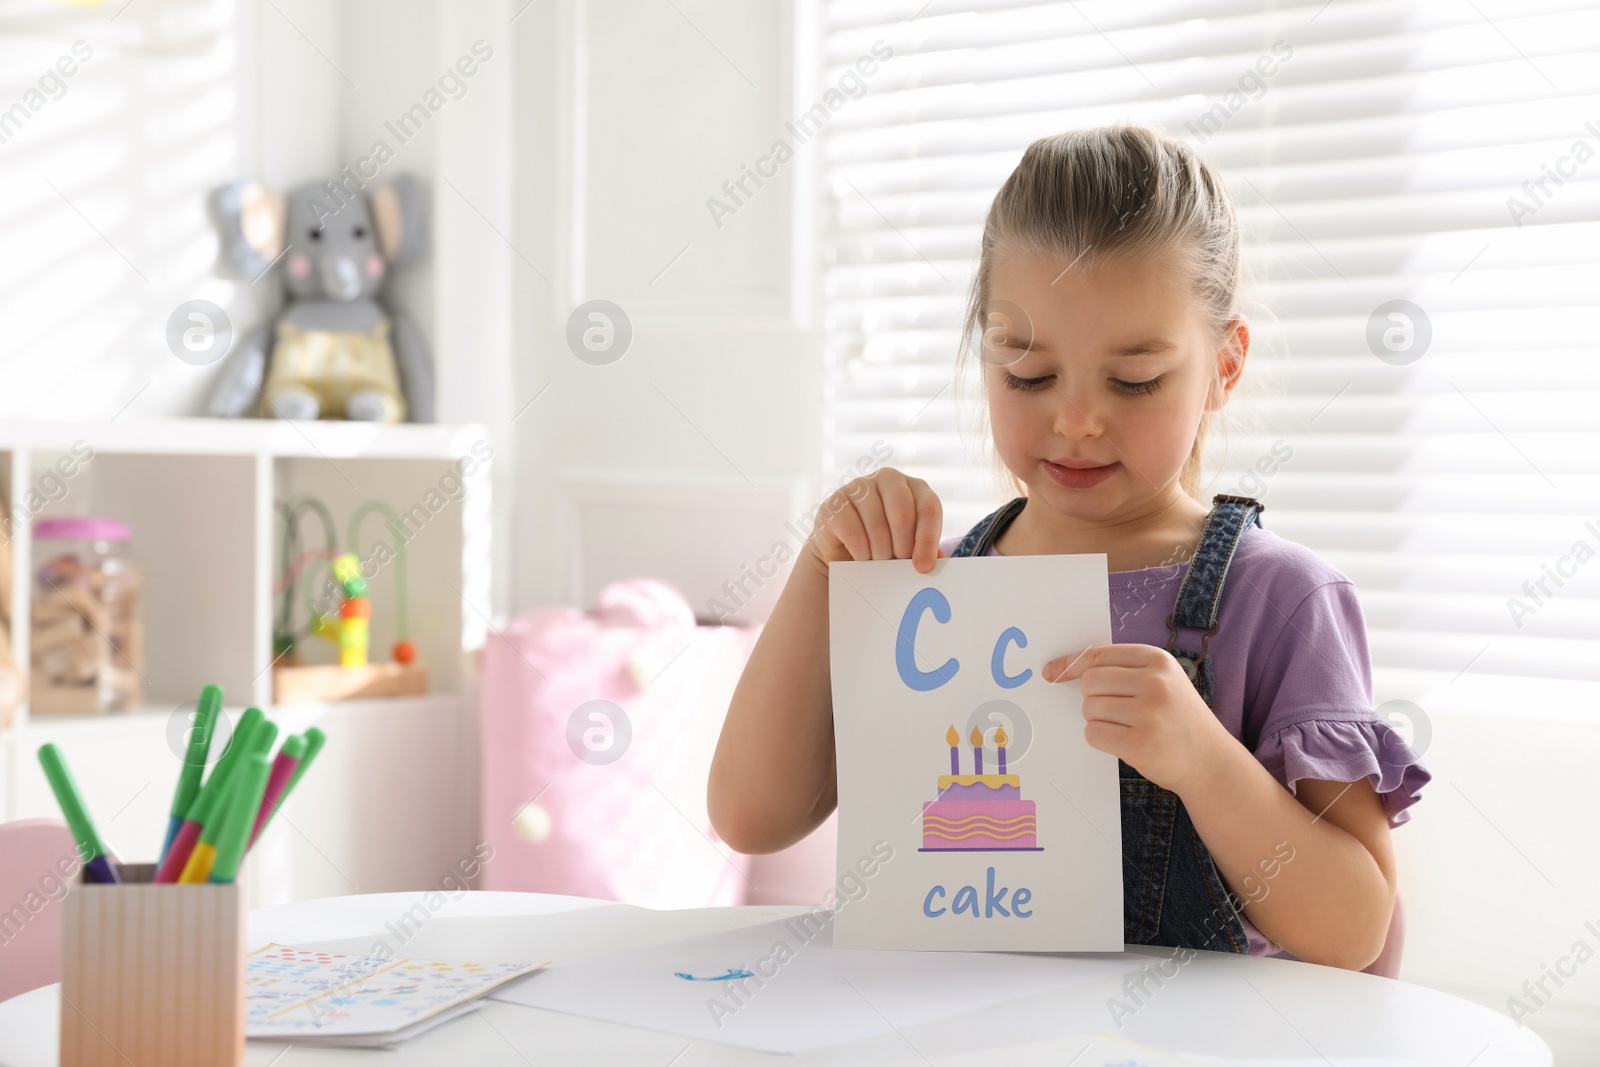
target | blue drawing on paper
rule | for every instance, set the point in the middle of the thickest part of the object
(732, 973)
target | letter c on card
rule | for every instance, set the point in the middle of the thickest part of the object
(997, 662)
(905, 645)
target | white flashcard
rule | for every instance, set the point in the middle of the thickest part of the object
(966, 786)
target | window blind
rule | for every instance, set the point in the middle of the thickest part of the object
(1445, 154)
(116, 120)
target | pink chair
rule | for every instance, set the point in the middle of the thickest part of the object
(1387, 965)
(37, 857)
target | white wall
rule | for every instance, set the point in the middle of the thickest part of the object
(1499, 868)
(461, 295)
(630, 114)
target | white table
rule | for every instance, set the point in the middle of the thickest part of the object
(1220, 1004)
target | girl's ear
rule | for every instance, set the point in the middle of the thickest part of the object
(1231, 355)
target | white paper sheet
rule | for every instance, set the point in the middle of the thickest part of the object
(802, 994)
(921, 661)
(1105, 1049)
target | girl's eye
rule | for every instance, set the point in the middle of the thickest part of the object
(1145, 388)
(1027, 385)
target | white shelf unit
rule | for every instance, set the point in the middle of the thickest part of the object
(393, 802)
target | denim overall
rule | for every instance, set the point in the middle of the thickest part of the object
(1172, 893)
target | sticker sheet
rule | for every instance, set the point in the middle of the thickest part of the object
(293, 993)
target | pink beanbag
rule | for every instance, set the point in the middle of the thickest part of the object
(597, 732)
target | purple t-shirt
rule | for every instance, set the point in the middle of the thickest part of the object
(1292, 674)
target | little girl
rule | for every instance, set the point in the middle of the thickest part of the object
(1258, 784)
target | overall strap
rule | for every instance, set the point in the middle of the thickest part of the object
(979, 539)
(1200, 596)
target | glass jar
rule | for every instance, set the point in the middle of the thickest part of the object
(87, 645)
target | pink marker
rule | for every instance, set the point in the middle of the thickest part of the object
(283, 769)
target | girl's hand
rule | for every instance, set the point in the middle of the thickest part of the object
(886, 515)
(1140, 707)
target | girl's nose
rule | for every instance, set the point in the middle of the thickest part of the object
(1075, 416)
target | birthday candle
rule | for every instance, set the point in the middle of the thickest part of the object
(977, 750)
(953, 739)
(1000, 740)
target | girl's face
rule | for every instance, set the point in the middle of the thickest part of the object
(1097, 379)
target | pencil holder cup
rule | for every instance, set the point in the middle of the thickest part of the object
(152, 975)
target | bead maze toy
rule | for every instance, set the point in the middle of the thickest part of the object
(342, 616)
(350, 630)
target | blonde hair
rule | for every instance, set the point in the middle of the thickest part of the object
(1115, 191)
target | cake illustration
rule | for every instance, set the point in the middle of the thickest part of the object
(979, 812)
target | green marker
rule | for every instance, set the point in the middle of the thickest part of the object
(250, 781)
(194, 761)
(213, 792)
(261, 740)
(198, 867)
(240, 745)
(314, 739)
(90, 846)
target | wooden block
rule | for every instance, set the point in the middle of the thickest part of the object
(61, 630)
(294, 685)
(65, 699)
(127, 645)
(75, 596)
(128, 582)
(49, 608)
(90, 655)
(152, 975)
(51, 665)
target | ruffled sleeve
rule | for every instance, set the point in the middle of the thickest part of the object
(1343, 751)
(1312, 711)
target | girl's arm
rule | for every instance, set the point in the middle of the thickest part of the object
(1318, 867)
(1330, 901)
(772, 778)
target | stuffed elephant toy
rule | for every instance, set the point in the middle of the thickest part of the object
(333, 350)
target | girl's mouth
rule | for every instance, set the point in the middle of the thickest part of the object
(1080, 478)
